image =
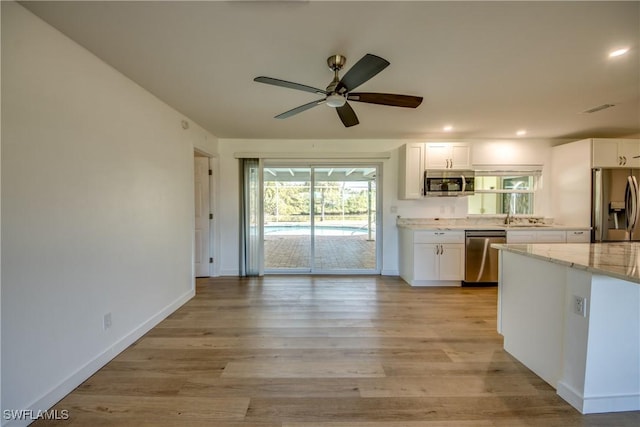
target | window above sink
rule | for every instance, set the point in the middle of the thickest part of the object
(505, 192)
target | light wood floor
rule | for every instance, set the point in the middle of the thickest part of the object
(324, 352)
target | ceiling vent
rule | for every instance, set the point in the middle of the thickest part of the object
(598, 108)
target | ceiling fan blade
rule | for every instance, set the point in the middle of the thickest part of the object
(290, 85)
(299, 109)
(394, 100)
(367, 67)
(347, 115)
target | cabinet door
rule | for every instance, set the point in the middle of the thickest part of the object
(461, 156)
(411, 171)
(628, 149)
(452, 262)
(438, 156)
(605, 153)
(425, 261)
(616, 153)
(578, 236)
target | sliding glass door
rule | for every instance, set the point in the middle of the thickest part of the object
(321, 219)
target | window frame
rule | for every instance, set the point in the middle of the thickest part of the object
(534, 173)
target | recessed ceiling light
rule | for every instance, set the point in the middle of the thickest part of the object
(447, 128)
(618, 52)
(521, 132)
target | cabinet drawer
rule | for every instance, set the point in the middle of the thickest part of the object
(551, 237)
(435, 236)
(578, 236)
(536, 236)
(521, 236)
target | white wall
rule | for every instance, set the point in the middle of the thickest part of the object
(517, 152)
(97, 211)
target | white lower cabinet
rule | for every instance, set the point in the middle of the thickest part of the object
(432, 258)
(438, 261)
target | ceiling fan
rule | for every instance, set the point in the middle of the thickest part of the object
(339, 90)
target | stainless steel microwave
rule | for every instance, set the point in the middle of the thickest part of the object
(448, 182)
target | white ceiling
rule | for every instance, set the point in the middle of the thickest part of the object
(487, 68)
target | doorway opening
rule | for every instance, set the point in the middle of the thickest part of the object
(321, 219)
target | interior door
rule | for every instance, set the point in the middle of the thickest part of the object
(202, 210)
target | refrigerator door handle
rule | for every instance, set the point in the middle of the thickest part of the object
(627, 206)
(636, 211)
(630, 204)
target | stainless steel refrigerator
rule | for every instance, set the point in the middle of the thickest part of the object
(615, 212)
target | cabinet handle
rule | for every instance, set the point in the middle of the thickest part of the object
(625, 160)
(619, 160)
(578, 232)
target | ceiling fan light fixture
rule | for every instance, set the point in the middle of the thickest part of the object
(334, 100)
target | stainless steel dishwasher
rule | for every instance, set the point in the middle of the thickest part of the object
(481, 260)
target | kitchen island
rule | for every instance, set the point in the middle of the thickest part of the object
(571, 314)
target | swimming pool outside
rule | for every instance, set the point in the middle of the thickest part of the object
(320, 230)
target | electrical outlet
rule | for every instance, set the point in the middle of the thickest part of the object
(106, 321)
(580, 305)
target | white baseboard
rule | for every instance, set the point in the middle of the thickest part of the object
(55, 394)
(598, 404)
(230, 272)
(390, 273)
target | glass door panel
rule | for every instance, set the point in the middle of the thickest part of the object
(287, 219)
(344, 219)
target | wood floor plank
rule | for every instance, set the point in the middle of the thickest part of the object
(92, 409)
(456, 423)
(327, 351)
(215, 386)
(304, 369)
(445, 385)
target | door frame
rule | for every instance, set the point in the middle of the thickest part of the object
(379, 221)
(213, 223)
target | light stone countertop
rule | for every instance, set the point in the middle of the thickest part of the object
(488, 223)
(427, 227)
(619, 260)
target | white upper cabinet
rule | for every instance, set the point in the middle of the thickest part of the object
(415, 157)
(615, 153)
(411, 170)
(447, 155)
